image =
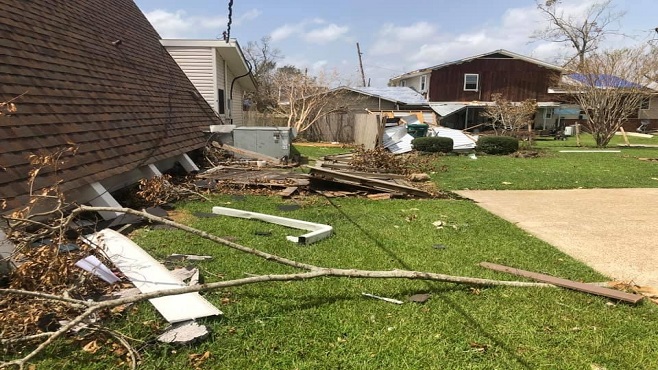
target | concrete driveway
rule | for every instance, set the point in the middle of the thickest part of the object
(615, 231)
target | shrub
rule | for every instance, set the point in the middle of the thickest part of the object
(501, 145)
(433, 144)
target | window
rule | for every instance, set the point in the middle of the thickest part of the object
(221, 104)
(471, 82)
(423, 83)
(645, 104)
(549, 113)
(402, 83)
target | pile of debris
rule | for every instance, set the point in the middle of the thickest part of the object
(375, 173)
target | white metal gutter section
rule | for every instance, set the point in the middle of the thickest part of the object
(317, 231)
(149, 275)
(446, 109)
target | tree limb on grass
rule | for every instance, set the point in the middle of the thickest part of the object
(311, 272)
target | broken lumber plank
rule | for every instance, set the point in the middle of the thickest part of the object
(374, 183)
(345, 166)
(250, 154)
(288, 192)
(565, 283)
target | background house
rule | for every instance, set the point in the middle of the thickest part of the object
(418, 80)
(384, 98)
(460, 89)
(219, 71)
(92, 73)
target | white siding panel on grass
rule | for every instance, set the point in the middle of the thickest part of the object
(197, 63)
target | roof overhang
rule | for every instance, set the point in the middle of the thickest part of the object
(230, 51)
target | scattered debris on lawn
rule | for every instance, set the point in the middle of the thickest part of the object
(389, 300)
(46, 269)
(591, 151)
(647, 291)
(649, 159)
(96, 267)
(149, 275)
(570, 284)
(395, 186)
(317, 231)
(189, 257)
(184, 333)
(462, 141)
(419, 298)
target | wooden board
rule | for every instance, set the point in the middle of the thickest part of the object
(565, 283)
(326, 174)
(288, 192)
(250, 154)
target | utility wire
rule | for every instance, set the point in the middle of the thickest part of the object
(227, 33)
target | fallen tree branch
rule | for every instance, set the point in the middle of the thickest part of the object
(311, 272)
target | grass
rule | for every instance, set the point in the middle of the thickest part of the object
(326, 323)
(554, 170)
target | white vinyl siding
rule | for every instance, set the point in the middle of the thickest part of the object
(197, 63)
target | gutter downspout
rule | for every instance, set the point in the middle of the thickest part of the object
(236, 78)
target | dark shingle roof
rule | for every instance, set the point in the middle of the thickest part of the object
(125, 105)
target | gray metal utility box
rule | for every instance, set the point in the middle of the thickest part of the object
(272, 141)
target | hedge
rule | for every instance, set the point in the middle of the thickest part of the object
(433, 144)
(500, 145)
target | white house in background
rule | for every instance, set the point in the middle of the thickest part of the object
(418, 80)
(218, 70)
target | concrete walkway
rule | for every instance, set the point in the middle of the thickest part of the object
(615, 231)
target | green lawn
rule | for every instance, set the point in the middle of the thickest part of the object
(553, 169)
(327, 324)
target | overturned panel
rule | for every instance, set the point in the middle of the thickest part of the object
(317, 231)
(149, 275)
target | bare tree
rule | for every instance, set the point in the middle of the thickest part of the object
(508, 116)
(582, 32)
(263, 59)
(610, 87)
(305, 99)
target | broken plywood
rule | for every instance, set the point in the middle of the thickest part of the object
(375, 184)
(148, 275)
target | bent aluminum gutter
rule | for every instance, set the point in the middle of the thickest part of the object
(317, 231)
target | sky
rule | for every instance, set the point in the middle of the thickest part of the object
(395, 36)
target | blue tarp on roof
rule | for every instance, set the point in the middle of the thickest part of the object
(603, 81)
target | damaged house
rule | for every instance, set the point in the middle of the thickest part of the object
(459, 90)
(92, 73)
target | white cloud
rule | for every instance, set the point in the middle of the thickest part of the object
(285, 31)
(392, 39)
(169, 24)
(319, 35)
(178, 24)
(248, 16)
(326, 34)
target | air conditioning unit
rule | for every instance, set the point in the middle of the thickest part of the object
(272, 141)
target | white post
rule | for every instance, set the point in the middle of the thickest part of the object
(187, 163)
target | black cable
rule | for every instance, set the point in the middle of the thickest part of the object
(227, 34)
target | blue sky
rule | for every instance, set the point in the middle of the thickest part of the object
(395, 36)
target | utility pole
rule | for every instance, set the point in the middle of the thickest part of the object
(363, 75)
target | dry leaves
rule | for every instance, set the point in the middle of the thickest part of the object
(198, 359)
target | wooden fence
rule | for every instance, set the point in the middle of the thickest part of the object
(347, 128)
